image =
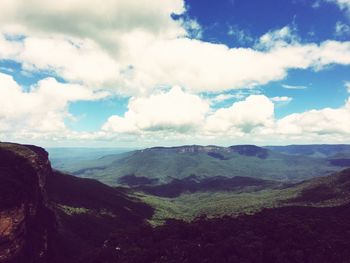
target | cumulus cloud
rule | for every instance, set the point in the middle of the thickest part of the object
(174, 114)
(43, 109)
(187, 113)
(327, 121)
(242, 117)
(72, 59)
(191, 117)
(251, 119)
(91, 19)
(173, 110)
(146, 56)
(199, 66)
(86, 63)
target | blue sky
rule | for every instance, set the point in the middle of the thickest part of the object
(174, 71)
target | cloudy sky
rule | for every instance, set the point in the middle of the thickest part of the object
(167, 72)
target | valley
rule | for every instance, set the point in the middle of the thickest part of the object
(51, 216)
(189, 181)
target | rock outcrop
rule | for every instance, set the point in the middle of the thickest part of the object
(50, 217)
(26, 219)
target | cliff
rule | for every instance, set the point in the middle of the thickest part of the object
(47, 216)
(26, 219)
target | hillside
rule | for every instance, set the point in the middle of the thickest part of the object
(162, 165)
(238, 198)
(325, 191)
(47, 216)
(289, 234)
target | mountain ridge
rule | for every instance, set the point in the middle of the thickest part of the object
(165, 164)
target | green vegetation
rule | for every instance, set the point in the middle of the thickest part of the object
(70, 210)
(328, 191)
(287, 234)
(215, 204)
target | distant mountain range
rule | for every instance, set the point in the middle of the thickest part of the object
(162, 165)
(314, 150)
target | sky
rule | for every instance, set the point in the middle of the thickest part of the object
(140, 73)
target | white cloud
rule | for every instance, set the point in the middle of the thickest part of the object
(279, 37)
(342, 4)
(224, 97)
(316, 4)
(72, 59)
(283, 99)
(199, 66)
(42, 109)
(242, 117)
(293, 86)
(173, 110)
(8, 48)
(192, 27)
(326, 121)
(134, 47)
(145, 58)
(342, 29)
(251, 119)
(347, 85)
(184, 113)
(240, 36)
(176, 115)
(91, 19)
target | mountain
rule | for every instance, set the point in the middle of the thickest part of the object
(162, 165)
(314, 150)
(47, 216)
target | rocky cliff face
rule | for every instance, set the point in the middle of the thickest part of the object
(50, 217)
(25, 216)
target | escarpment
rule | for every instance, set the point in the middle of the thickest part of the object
(50, 217)
(26, 220)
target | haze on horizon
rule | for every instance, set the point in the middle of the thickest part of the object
(140, 73)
